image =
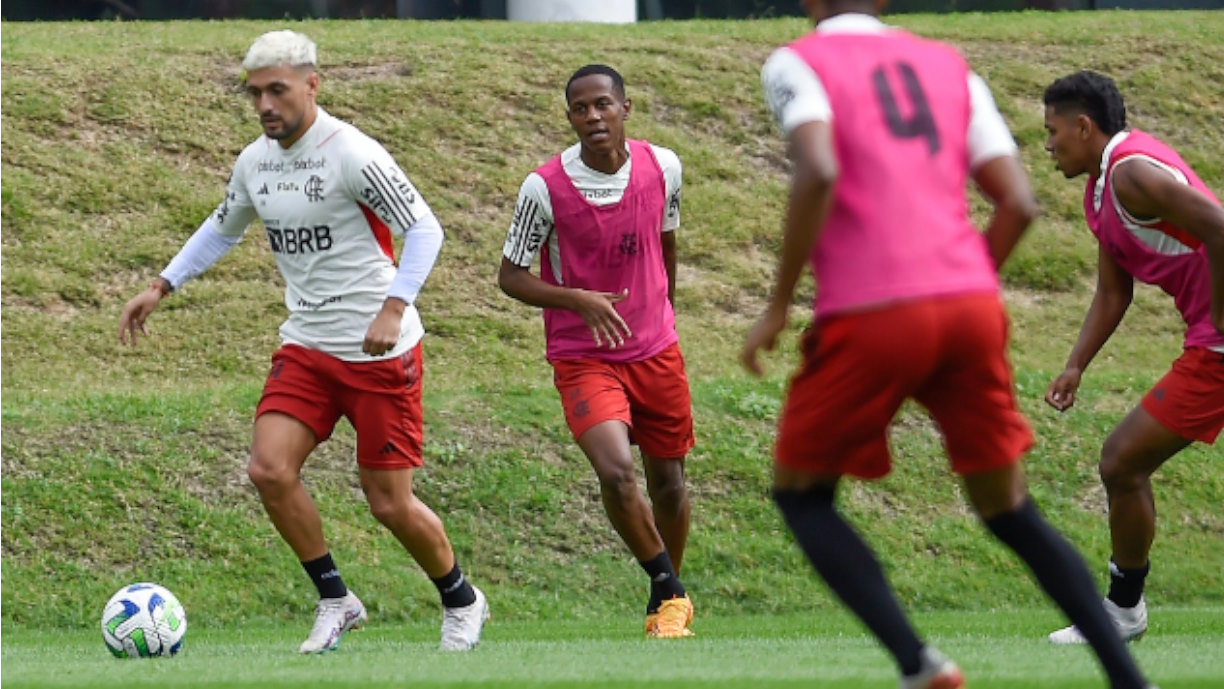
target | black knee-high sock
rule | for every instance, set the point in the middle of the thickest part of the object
(850, 569)
(1061, 571)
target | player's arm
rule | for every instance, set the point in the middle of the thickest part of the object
(997, 170)
(528, 234)
(669, 264)
(219, 233)
(1147, 191)
(1114, 291)
(377, 182)
(672, 175)
(801, 108)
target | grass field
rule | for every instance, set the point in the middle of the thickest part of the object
(995, 650)
(122, 465)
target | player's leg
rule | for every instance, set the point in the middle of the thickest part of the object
(383, 402)
(669, 502)
(972, 400)
(849, 567)
(606, 445)
(1133, 451)
(596, 407)
(394, 504)
(279, 447)
(857, 370)
(294, 415)
(1001, 500)
(661, 408)
(1187, 404)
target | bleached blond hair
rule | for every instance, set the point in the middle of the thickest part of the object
(277, 48)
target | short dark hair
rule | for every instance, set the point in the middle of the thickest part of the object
(618, 84)
(1092, 94)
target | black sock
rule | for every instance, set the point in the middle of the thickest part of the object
(454, 588)
(664, 584)
(1126, 585)
(326, 577)
(850, 569)
(1061, 571)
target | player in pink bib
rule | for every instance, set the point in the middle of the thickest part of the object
(1156, 222)
(602, 216)
(885, 129)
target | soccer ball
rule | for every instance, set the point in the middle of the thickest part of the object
(143, 621)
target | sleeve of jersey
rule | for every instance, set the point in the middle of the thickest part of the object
(532, 222)
(793, 91)
(988, 135)
(219, 233)
(201, 251)
(669, 162)
(235, 212)
(379, 184)
(421, 246)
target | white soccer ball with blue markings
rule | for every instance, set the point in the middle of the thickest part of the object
(143, 621)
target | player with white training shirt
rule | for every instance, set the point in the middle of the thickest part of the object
(330, 199)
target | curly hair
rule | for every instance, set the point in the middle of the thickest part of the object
(1092, 94)
(618, 83)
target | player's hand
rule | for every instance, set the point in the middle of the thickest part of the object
(598, 311)
(135, 313)
(1061, 394)
(764, 335)
(383, 334)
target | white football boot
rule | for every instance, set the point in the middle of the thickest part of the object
(333, 617)
(461, 627)
(1130, 622)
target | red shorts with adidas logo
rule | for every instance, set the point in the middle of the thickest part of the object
(382, 399)
(1189, 400)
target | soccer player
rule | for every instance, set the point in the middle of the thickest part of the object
(602, 216)
(329, 198)
(885, 128)
(1156, 222)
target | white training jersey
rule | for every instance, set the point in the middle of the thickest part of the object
(329, 204)
(532, 225)
(795, 94)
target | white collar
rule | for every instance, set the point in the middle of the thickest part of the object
(1099, 191)
(852, 22)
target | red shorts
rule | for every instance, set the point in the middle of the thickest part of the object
(1189, 400)
(382, 399)
(650, 396)
(948, 353)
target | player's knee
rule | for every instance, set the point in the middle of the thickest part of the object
(669, 496)
(269, 476)
(385, 511)
(619, 484)
(1114, 470)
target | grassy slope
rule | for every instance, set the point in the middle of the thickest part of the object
(128, 464)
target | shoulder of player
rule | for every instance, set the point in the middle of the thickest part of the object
(534, 188)
(669, 162)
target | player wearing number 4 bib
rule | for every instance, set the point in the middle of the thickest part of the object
(885, 129)
(329, 198)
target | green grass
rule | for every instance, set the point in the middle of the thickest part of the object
(123, 465)
(1005, 650)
